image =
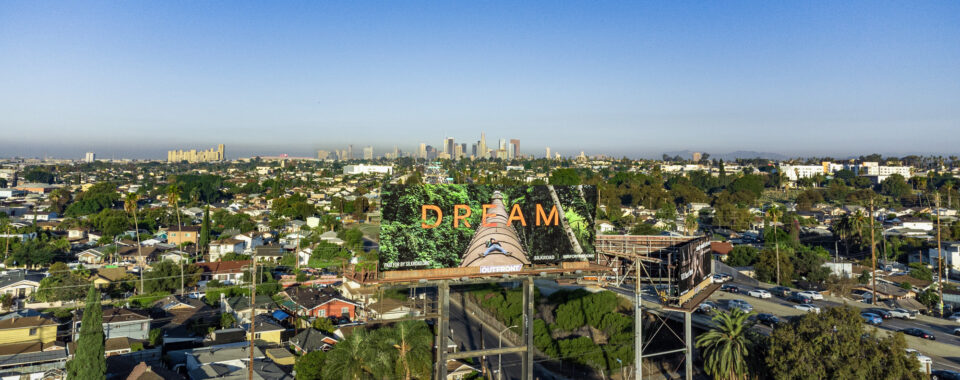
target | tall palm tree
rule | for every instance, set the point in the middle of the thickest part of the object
(130, 205)
(843, 229)
(774, 213)
(173, 198)
(725, 347)
(857, 222)
(412, 341)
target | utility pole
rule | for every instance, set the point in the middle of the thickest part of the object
(939, 259)
(638, 321)
(253, 309)
(873, 255)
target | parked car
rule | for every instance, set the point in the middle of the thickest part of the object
(926, 364)
(780, 291)
(883, 313)
(768, 319)
(872, 318)
(810, 308)
(730, 288)
(942, 374)
(904, 313)
(918, 333)
(955, 317)
(720, 278)
(707, 307)
(799, 298)
(956, 331)
(759, 293)
(740, 304)
(812, 294)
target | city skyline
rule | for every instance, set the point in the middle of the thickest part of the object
(619, 78)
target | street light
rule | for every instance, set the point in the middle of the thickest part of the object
(500, 356)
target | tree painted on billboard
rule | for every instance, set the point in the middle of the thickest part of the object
(411, 236)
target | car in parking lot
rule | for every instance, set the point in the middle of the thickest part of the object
(812, 294)
(872, 318)
(799, 298)
(759, 293)
(926, 363)
(739, 304)
(730, 288)
(780, 291)
(954, 317)
(768, 319)
(706, 307)
(920, 333)
(810, 308)
(942, 374)
(883, 313)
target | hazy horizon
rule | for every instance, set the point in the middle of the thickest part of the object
(616, 78)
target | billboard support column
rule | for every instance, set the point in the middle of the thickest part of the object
(442, 321)
(688, 338)
(528, 302)
(638, 321)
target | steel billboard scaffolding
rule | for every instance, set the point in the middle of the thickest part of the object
(660, 263)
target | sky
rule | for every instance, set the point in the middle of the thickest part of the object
(804, 78)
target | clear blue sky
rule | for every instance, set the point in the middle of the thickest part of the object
(136, 78)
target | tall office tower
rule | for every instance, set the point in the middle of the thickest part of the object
(448, 146)
(482, 145)
(192, 155)
(90, 157)
(350, 152)
(456, 152)
(431, 153)
(510, 151)
(503, 144)
(396, 152)
(368, 153)
(548, 153)
(422, 153)
(322, 154)
(463, 150)
(473, 150)
(516, 147)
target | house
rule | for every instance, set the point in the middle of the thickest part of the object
(319, 302)
(390, 308)
(886, 291)
(721, 249)
(458, 369)
(107, 276)
(606, 227)
(267, 330)
(119, 323)
(917, 224)
(217, 362)
(251, 240)
(183, 234)
(19, 284)
(227, 272)
(269, 254)
(143, 371)
(175, 255)
(221, 247)
(91, 256)
(30, 330)
(950, 251)
(239, 306)
(185, 319)
(76, 233)
(311, 339)
(40, 216)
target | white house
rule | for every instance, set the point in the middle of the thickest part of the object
(917, 224)
(91, 256)
(950, 252)
(225, 246)
(251, 240)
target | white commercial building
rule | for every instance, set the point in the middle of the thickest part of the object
(795, 172)
(367, 169)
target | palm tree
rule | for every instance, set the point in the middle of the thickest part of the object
(173, 198)
(691, 224)
(725, 347)
(857, 222)
(130, 205)
(354, 358)
(412, 341)
(842, 227)
(774, 213)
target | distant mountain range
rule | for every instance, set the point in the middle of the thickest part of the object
(688, 154)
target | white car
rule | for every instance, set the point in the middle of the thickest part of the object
(807, 308)
(926, 363)
(955, 317)
(902, 314)
(812, 295)
(759, 293)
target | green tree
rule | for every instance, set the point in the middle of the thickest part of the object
(324, 324)
(354, 358)
(832, 345)
(412, 342)
(895, 186)
(227, 320)
(742, 256)
(204, 241)
(310, 366)
(565, 177)
(89, 361)
(725, 348)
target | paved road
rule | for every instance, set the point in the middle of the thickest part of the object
(470, 334)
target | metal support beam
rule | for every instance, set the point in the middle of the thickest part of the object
(442, 329)
(528, 302)
(487, 352)
(688, 338)
(638, 323)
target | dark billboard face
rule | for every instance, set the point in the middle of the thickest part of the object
(693, 265)
(492, 228)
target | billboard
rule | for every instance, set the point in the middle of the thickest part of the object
(485, 228)
(692, 264)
